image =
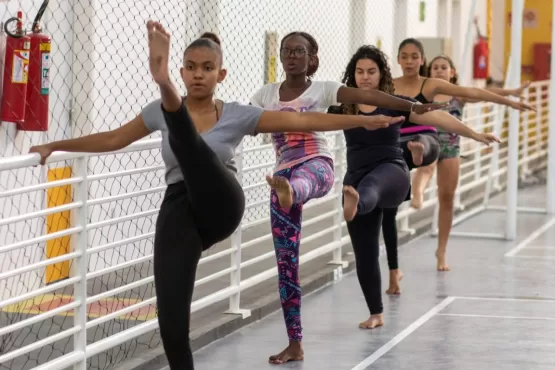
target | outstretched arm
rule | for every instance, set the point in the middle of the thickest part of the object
(472, 93)
(447, 122)
(102, 142)
(349, 95)
(509, 92)
(276, 121)
(503, 92)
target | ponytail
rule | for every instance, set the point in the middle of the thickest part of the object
(423, 71)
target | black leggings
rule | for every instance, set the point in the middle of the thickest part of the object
(384, 187)
(389, 230)
(431, 149)
(196, 213)
(389, 222)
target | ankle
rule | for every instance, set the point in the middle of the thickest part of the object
(296, 344)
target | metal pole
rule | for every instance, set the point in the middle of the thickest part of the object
(464, 78)
(80, 265)
(514, 122)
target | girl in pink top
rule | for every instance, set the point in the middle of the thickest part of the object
(304, 167)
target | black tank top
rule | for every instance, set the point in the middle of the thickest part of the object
(368, 149)
(418, 129)
(420, 97)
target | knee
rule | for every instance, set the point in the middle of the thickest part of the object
(427, 169)
(389, 214)
(389, 220)
(389, 229)
(446, 199)
(368, 199)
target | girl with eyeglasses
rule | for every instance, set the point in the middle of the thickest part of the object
(304, 168)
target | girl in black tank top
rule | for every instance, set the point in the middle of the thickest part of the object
(377, 177)
(412, 59)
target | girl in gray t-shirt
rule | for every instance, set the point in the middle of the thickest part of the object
(204, 202)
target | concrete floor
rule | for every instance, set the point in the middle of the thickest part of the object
(491, 311)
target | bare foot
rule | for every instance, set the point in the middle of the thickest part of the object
(417, 151)
(293, 352)
(395, 276)
(283, 190)
(373, 322)
(417, 200)
(441, 261)
(159, 51)
(350, 203)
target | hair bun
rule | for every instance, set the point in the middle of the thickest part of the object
(211, 36)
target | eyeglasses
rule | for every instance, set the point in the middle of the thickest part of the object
(297, 52)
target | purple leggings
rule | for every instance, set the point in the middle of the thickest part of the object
(310, 180)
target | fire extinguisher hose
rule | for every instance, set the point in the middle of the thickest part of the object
(36, 23)
(7, 30)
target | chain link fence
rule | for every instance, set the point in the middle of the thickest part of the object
(98, 81)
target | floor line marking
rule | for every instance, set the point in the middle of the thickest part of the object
(505, 299)
(530, 238)
(526, 256)
(538, 248)
(496, 316)
(404, 334)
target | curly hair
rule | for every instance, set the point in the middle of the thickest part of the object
(312, 67)
(455, 77)
(377, 56)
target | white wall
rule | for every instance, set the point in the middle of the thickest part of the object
(427, 28)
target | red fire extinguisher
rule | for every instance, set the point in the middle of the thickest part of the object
(481, 56)
(481, 59)
(36, 107)
(16, 69)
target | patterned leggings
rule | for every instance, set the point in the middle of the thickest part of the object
(310, 180)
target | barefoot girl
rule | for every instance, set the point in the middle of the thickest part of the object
(377, 174)
(413, 62)
(304, 168)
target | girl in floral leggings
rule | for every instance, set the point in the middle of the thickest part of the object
(304, 164)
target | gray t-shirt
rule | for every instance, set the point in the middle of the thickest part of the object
(236, 121)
